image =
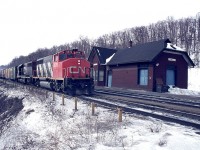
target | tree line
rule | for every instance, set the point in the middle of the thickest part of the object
(184, 33)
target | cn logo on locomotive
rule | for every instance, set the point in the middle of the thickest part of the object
(76, 69)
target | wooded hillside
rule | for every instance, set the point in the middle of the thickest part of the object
(183, 32)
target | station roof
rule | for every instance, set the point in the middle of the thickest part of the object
(146, 52)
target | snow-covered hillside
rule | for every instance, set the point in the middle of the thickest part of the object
(46, 124)
(194, 79)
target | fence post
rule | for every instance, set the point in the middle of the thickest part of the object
(93, 108)
(119, 114)
(75, 100)
(53, 96)
(46, 94)
(63, 99)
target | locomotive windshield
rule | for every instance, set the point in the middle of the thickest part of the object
(70, 54)
(62, 56)
(79, 55)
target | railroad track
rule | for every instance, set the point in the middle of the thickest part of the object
(152, 102)
(112, 99)
(165, 116)
(182, 111)
(154, 106)
(154, 98)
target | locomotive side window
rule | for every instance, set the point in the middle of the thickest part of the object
(55, 58)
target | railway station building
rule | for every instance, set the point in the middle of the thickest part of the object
(99, 57)
(151, 66)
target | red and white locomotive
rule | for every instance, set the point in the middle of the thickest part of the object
(66, 71)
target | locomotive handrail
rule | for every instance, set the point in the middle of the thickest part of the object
(86, 72)
(67, 72)
(72, 72)
(79, 72)
(64, 69)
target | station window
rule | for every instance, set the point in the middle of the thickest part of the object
(95, 75)
(143, 74)
(101, 75)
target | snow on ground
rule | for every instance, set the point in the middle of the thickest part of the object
(193, 84)
(46, 124)
(179, 91)
(193, 79)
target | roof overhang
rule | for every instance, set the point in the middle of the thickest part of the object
(129, 63)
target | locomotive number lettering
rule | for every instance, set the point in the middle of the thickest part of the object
(76, 70)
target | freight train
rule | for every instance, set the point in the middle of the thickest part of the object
(67, 71)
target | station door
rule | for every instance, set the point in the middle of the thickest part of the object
(110, 79)
(170, 77)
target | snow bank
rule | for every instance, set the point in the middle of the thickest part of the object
(179, 91)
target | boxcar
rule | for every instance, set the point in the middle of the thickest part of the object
(12, 73)
(6, 73)
(1, 74)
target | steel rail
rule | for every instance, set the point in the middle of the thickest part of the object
(143, 112)
(151, 98)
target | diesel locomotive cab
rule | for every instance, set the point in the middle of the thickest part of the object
(72, 72)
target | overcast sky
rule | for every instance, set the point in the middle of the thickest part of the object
(26, 25)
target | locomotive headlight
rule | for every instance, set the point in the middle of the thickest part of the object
(79, 62)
